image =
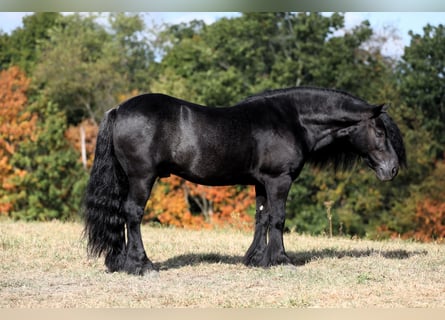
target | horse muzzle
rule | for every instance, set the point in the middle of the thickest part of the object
(387, 173)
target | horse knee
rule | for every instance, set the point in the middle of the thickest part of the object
(133, 212)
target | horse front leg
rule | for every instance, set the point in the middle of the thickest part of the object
(277, 191)
(255, 253)
(136, 261)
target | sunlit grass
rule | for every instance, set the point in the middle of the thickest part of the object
(45, 265)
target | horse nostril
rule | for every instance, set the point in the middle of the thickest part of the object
(394, 171)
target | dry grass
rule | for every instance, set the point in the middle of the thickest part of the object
(45, 265)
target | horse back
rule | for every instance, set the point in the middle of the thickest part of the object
(212, 146)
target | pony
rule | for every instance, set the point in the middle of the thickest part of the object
(263, 141)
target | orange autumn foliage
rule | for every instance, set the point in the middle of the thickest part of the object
(429, 218)
(430, 221)
(430, 211)
(73, 135)
(171, 200)
(16, 126)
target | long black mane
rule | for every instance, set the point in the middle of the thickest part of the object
(290, 90)
(339, 155)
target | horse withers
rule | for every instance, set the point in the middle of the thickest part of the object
(263, 141)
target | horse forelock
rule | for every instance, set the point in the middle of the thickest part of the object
(395, 137)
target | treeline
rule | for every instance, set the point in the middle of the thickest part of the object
(59, 73)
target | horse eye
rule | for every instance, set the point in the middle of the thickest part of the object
(379, 133)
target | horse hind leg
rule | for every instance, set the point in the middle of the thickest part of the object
(137, 261)
(115, 259)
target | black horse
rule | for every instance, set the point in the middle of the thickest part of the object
(263, 141)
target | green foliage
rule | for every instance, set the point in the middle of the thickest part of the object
(420, 114)
(21, 47)
(269, 50)
(302, 215)
(84, 67)
(422, 80)
(73, 70)
(55, 180)
(134, 48)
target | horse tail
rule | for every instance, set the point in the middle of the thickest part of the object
(106, 191)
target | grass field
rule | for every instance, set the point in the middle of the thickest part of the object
(45, 265)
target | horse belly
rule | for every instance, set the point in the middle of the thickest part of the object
(212, 164)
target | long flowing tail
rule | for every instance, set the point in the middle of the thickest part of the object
(105, 193)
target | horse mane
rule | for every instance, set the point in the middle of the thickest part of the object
(273, 92)
(339, 155)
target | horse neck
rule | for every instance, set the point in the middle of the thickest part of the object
(322, 123)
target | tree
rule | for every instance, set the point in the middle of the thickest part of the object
(83, 139)
(21, 48)
(184, 204)
(426, 219)
(168, 205)
(77, 68)
(84, 66)
(270, 50)
(430, 222)
(419, 93)
(129, 32)
(422, 80)
(17, 125)
(54, 181)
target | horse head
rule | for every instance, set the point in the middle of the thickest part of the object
(379, 142)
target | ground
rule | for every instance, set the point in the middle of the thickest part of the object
(44, 265)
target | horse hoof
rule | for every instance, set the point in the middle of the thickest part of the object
(255, 262)
(151, 274)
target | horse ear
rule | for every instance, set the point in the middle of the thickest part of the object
(378, 110)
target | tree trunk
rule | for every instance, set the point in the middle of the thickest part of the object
(83, 149)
